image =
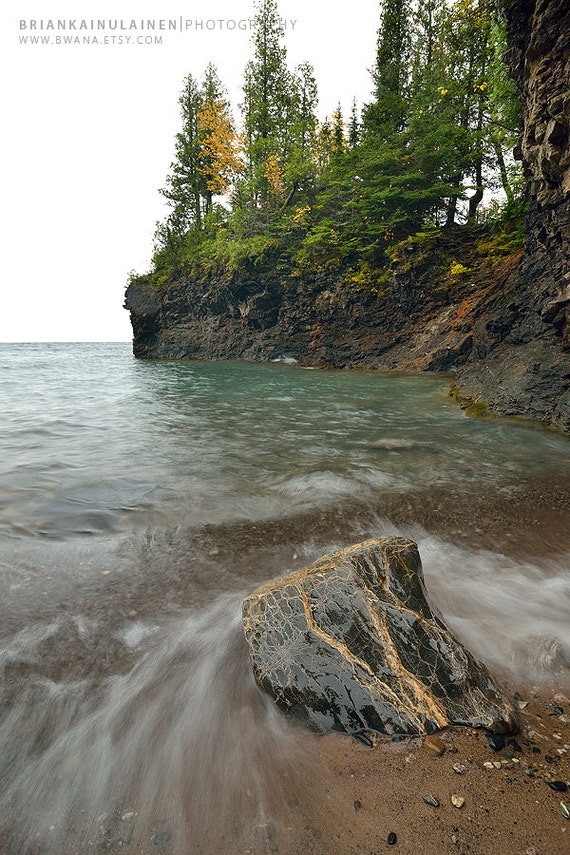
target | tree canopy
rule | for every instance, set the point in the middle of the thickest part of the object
(430, 149)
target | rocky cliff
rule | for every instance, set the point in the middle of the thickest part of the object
(502, 324)
(520, 362)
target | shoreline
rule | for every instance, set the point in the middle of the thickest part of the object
(311, 784)
(323, 795)
(531, 522)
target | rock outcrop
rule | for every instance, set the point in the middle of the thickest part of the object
(520, 361)
(503, 328)
(352, 644)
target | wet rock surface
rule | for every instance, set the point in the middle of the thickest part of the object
(351, 643)
(520, 361)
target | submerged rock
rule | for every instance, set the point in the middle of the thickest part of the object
(351, 643)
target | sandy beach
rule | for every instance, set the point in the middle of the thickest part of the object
(508, 807)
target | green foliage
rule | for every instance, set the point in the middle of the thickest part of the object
(456, 268)
(430, 149)
(372, 280)
(504, 240)
(227, 255)
(387, 114)
(415, 249)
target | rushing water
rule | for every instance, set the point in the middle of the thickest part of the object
(140, 501)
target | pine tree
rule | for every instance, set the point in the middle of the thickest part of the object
(354, 129)
(503, 112)
(182, 188)
(300, 160)
(267, 99)
(388, 112)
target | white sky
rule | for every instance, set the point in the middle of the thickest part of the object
(88, 136)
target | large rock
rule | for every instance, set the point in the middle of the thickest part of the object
(351, 643)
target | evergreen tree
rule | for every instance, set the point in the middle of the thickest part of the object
(435, 136)
(388, 112)
(503, 112)
(338, 138)
(182, 188)
(300, 154)
(438, 138)
(267, 99)
(354, 129)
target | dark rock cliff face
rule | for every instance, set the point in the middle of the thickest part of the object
(504, 330)
(520, 363)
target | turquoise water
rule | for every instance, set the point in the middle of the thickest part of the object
(140, 502)
(94, 442)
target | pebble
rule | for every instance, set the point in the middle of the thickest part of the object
(363, 738)
(457, 801)
(514, 745)
(434, 745)
(507, 755)
(495, 741)
(392, 838)
(565, 719)
(565, 810)
(357, 805)
(559, 710)
(459, 768)
(532, 734)
(126, 816)
(488, 765)
(431, 800)
(558, 786)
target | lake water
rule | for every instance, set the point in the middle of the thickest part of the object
(139, 503)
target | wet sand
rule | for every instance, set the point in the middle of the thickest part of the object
(509, 809)
(331, 794)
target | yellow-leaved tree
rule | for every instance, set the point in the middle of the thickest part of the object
(274, 176)
(219, 161)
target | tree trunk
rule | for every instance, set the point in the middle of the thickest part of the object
(503, 170)
(452, 203)
(476, 198)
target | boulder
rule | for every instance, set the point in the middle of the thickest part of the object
(351, 643)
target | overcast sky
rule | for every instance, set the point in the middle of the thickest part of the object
(88, 136)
